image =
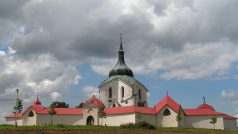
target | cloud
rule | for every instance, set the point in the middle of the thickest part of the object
(90, 91)
(55, 96)
(231, 96)
(41, 75)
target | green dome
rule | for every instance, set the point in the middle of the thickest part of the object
(121, 68)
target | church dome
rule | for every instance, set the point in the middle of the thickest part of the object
(121, 68)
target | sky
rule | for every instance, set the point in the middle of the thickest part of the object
(63, 49)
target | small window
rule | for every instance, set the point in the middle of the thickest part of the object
(166, 112)
(122, 91)
(114, 105)
(110, 93)
(139, 94)
(31, 114)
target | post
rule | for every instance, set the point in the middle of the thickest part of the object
(17, 90)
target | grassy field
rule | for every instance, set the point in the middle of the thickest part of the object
(107, 128)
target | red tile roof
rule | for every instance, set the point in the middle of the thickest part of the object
(64, 111)
(93, 100)
(200, 112)
(36, 106)
(167, 101)
(206, 106)
(129, 109)
(226, 116)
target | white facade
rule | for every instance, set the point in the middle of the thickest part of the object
(117, 98)
(203, 122)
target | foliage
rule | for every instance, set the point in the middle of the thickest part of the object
(57, 104)
(213, 120)
(143, 125)
(51, 112)
(178, 119)
(101, 113)
(80, 105)
(142, 104)
(18, 108)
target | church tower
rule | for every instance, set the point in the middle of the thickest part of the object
(121, 88)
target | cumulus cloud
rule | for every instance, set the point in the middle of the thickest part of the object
(41, 75)
(90, 91)
(231, 96)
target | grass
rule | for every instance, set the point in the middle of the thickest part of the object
(109, 128)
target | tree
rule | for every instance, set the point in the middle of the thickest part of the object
(178, 119)
(138, 117)
(17, 109)
(80, 105)
(213, 120)
(102, 113)
(51, 112)
(57, 104)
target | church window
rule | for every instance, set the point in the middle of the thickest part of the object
(114, 105)
(139, 94)
(110, 93)
(166, 112)
(122, 91)
(31, 114)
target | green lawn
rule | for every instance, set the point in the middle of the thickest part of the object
(107, 128)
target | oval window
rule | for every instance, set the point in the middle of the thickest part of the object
(31, 114)
(166, 112)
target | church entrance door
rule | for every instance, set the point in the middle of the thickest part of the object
(90, 120)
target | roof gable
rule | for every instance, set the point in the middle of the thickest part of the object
(167, 101)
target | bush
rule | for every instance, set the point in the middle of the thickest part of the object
(143, 125)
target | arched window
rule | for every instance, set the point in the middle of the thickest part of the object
(110, 93)
(122, 91)
(139, 94)
(166, 112)
(114, 105)
(31, 114)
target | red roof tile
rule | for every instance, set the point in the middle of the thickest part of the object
(226, 116)
(93, 100)
(36, 106)
(201, 112)
(64, 111)
(169, 102)
(129, 109)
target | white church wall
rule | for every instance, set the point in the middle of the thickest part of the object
(11, 121)
(90, 110)
(167, 121)
(44, 119)
(203, 122)
(230, 124)
(143, 91)
(118, 119)
(149, 118)
(127, 94)
(29, 121)
(104, 92)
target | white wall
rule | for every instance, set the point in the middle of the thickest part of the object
(11, 121)
(104, 92)
(43, 119)
(118, 119)
(93, 113)
(149, 118)
(29, 121)
(203, 122)
(230, 124)
(167, 121)
(127, 94)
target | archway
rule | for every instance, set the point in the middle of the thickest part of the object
(90, 120)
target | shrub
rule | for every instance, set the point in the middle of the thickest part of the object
(143, 125)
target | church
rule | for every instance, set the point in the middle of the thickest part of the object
(123, 99)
